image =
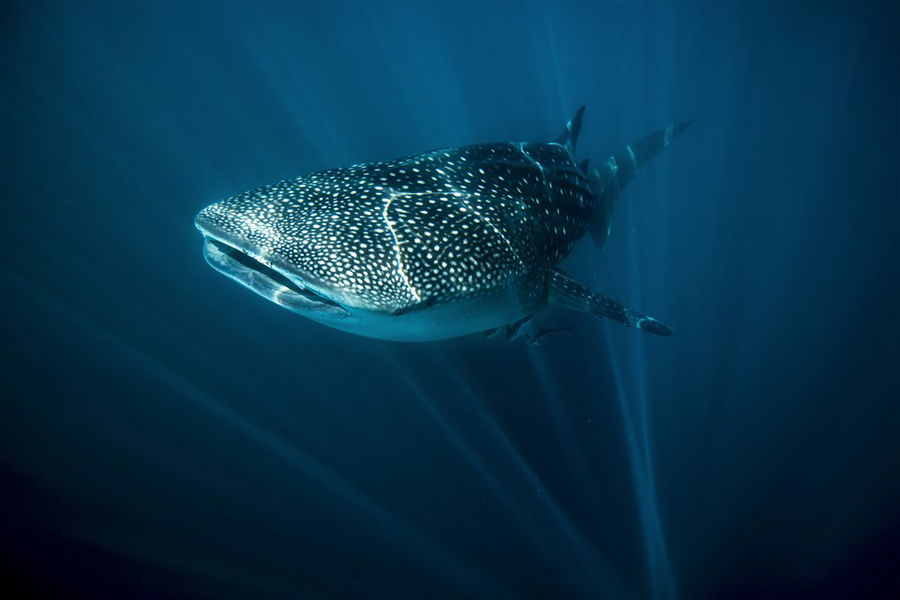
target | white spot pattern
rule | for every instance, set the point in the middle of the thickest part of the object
(422, 229)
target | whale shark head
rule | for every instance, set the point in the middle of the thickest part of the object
(285, 244)
(261, 269)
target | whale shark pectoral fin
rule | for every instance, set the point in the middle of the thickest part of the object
(565, 291)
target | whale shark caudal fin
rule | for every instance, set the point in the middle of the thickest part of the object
(565, 291)
(611, 177)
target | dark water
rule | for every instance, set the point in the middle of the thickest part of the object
(166, 433)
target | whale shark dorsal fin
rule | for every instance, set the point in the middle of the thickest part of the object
(569, 136)
(565, 291)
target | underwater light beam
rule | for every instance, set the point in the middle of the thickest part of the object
(601, 579)
(662, 581)
(404, 536)
(561, 421)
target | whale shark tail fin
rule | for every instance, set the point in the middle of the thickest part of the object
(611, 177)
(569, 136)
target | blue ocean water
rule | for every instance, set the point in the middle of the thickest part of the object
(166, 433)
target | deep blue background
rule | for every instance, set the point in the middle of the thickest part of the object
(166, 432)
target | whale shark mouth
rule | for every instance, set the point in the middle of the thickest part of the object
(266, 280)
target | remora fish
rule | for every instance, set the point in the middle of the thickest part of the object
(431, 246)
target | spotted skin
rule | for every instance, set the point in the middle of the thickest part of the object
(428, 228)
(429, 246)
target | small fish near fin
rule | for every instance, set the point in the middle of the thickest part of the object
(567, 292)
(511, 331)
(569, 136)
(516, 330)
(534, 339)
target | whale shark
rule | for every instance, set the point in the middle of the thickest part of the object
(437, 245)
